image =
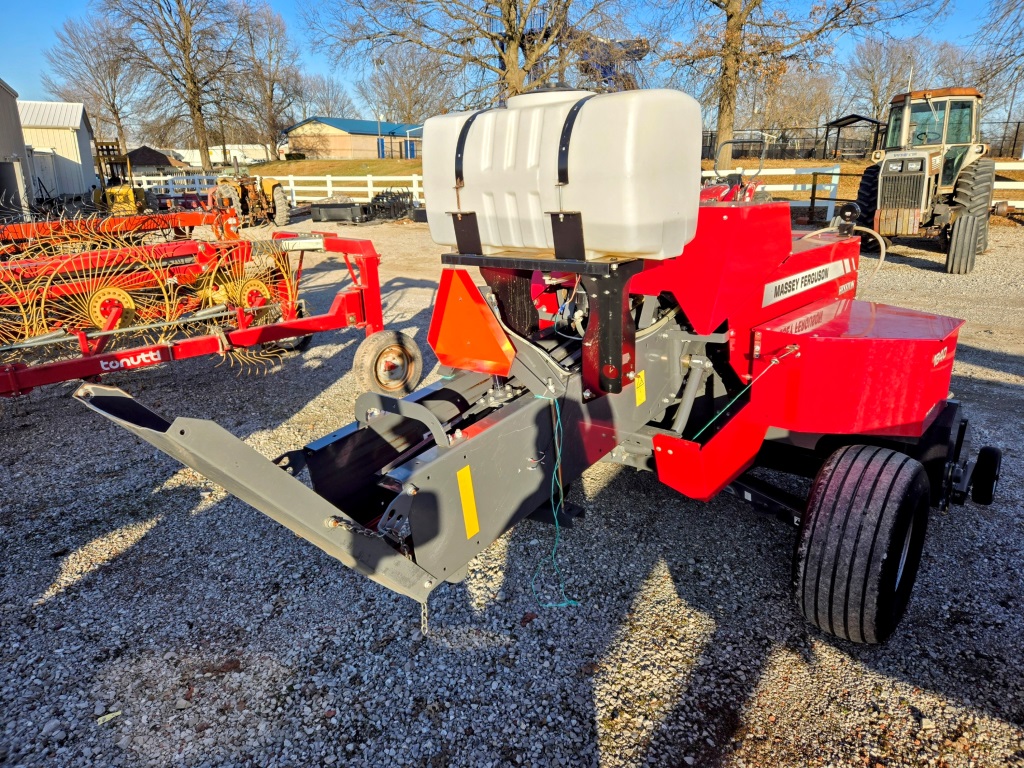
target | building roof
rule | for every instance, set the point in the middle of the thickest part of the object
(53, 114)
(6, 87)
(938, 93)
(148, 156)
(361, 127)
(853, 119)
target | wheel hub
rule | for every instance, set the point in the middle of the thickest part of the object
(105, 301)
(392, 369)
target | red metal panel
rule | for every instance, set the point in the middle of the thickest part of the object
(862, 368)
(700, 472)
(744, 267)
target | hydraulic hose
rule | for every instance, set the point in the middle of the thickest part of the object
(858, 228)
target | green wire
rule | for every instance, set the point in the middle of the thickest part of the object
(556, 507)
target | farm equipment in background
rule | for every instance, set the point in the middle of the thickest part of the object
(79, 312)
(256, 199)
(698, 342)
(116, 195)
(75, 233)
(389, 205)
(932, 179)
(733, 187)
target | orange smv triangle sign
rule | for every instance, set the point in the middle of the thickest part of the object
(464, 333)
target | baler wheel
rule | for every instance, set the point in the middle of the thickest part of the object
(860, 542)
(986, 475)
(388, 363)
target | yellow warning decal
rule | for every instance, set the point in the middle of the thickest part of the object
(469, 516)
(641, 388)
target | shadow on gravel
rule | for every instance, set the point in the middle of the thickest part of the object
(243, 404)
(960, 638)
(987, 358)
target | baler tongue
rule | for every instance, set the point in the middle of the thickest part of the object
(223, 458)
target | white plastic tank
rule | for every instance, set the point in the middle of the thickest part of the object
(633, 172)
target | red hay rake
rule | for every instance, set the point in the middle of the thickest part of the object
(83, 297)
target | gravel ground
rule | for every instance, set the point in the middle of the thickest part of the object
(132, 589)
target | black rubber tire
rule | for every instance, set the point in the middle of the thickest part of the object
(282, 211)
(964, 240)
(860, 542)
(294, 343)
(226, 191)
(974, 190)
(376, 351)
(867, 196)
(986, 475)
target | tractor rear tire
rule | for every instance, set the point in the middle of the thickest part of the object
(282, 213)
(867, 196)
(964, 242)
(229, 193)
(860, 542)
(974, 191)
(986, 475)
(388, 363)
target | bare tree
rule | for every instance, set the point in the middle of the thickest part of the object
(270, 62)
(323, 96)
(407, 86)
(745, 36)
(795, 102)
(880, 68)
(883, 67)
(491, 49)
(1002, 36)
(186, 46)
(85, 65)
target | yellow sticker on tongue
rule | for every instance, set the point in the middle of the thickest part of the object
(469, 516)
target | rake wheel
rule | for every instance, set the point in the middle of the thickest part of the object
(16, 322)
(83, 291)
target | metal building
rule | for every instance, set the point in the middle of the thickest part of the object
(13, 157)
(64, 128)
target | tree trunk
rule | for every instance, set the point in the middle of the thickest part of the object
(122, 139)
(729, 79)
(202, 137)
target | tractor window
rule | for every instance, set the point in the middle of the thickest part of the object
(959, 130)
(893, 138)
(926, 122)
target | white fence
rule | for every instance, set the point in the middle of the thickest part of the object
(303, 189)
(824, 192)
(1010, 166)
(300, 189)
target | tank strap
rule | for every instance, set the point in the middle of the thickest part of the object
(563, 141)
(460, 146)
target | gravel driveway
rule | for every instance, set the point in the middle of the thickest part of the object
(133, 589)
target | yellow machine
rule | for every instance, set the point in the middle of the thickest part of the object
(120, 199)
(256, 200)
(116, 194)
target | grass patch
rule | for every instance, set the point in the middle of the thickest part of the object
(340, 168)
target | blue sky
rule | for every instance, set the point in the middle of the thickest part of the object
(28, 29)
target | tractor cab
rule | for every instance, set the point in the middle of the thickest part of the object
(931, 173)
(940, 125)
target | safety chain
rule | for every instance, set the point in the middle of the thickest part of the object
(424, 624)
(336, 521)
